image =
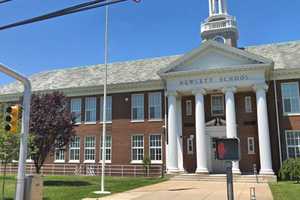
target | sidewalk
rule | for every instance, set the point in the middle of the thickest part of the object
(192, 190)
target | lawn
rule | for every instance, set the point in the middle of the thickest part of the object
(285, 190)
(78, 187)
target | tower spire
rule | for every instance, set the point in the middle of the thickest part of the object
(220, 26)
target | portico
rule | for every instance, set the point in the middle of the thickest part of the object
(204, 72)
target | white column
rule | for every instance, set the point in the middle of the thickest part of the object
(224, 7)
(263, 130)
(179, 135)
(231, 127)
(201, 144)
(220, 6)
(172, 159)
(210, 7)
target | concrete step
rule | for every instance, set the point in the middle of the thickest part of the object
(222, 178)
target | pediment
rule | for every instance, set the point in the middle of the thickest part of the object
(214, 56)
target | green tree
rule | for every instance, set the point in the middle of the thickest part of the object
(9, 148)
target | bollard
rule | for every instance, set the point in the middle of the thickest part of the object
(252, 193)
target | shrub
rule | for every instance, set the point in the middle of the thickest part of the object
(146, 164)
(290, 170)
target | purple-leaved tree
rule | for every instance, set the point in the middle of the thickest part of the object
(51, 126)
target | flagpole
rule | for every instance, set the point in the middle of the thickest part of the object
(104, 106)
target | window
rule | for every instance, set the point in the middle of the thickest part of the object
(190, 145)
(59, 155)
(188, 108)
(89, 149)
(76, 109)
(155, 148)
(74, 149)
(108, 109)
(137, 106)
(217, 105)
(155, 105)
(107, 148)
(248, 104)
(293, 144)
(220, 39)
(290, 97)
(137, 145)
(90, 109)
(251, 145)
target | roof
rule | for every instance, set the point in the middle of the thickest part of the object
(285, 56)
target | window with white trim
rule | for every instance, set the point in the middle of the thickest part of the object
(137, 107)
(74, 149)
(76, 109)
(248, 104)
(251, 145)
(155, 148)
(108, 147)
(217, 105)
(89, 148)
(90, 109)
(108, 109)
(60, 155)
(188, 108)
(137, 147)
(293, 144)
(290, 97)
(155, 105)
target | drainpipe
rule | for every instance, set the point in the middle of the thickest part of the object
(277, 121)
(166, 122)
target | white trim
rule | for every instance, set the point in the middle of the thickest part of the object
(90, 123)
(108, 122)
(160, 105)
(282, 98)
(74, 161)
(155, 120)
(89, 161)
(291, 114)
(94, 98)
(75, 148)
(137, 121)
(59, 161)
(77, 100)
(142, 95)
(131, 142)
(100, 148)
(286, 141)
(136, 162)
(161, 148)
(251, 152)
(84, 148)
(211, 105)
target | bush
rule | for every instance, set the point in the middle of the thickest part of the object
(146, 164)
(290, 170)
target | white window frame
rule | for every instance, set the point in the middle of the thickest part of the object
(89, 148)
(283, 99)
(138, 107)
(94, 110)
(106, 148)
(156, 148)
(291, 146)
(108, 109)
(74, 148)
(158, 106)
(133, 161)
(211, 104)
(188, 108)
(75, 110)
(190, 140)
(248, 104)
(59, 159)
(251, 142)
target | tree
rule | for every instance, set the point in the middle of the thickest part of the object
(9, 148)
(51, 126)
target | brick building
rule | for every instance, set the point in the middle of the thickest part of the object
(172, 109)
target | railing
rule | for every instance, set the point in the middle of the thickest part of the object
(227, 23)
(88, 170)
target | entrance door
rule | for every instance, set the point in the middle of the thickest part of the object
(189, 153)
(218, 166)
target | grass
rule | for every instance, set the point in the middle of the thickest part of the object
(285, 190)
(79, 187)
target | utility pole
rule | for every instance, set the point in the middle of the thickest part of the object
(25, 128)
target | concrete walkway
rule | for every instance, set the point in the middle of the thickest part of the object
(192, 190)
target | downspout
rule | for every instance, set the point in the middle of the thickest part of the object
(277, 121)
(166, 124)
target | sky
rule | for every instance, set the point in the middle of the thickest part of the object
(152, 28)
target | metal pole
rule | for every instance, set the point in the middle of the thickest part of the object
(230, 195)
(24, 130)
(104, 106)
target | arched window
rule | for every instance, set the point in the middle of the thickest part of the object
(220, 39)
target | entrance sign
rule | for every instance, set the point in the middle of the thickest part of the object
(228, 149)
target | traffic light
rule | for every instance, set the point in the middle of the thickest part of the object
(12, 118)
(228, 149)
